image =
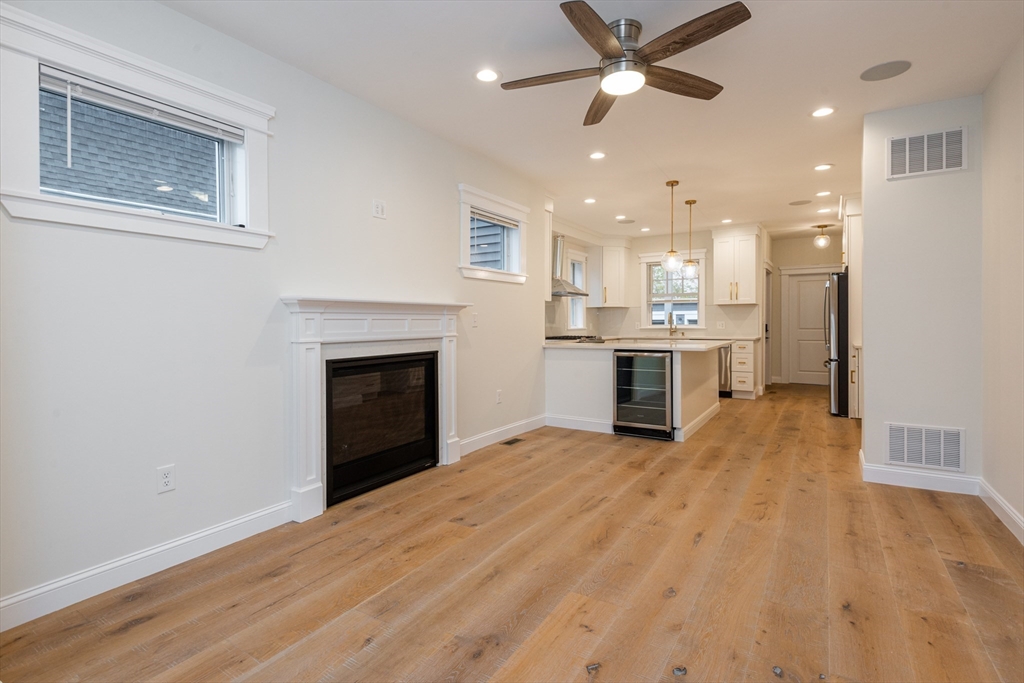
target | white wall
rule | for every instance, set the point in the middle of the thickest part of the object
(1003, 282)
(121, 353)
(922, 284)
(789, 252)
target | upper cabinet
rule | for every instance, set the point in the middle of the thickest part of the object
(606, 277)
(736, 270)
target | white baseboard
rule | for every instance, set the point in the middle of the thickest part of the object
(54, 595)
(477, 442)
(745, 395)
(691, 429)
(950, 482)
(1013, 519)
(584, 424)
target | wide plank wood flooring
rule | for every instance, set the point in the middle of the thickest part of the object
(751, 552)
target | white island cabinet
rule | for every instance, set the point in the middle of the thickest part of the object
(580, 384)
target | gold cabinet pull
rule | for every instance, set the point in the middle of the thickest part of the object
(605, 295)
(853, 376)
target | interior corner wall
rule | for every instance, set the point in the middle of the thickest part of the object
(922, 292)
(1003, 282)
(123, 352)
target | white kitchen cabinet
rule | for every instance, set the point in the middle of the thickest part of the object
(736, 270)
(606, 277)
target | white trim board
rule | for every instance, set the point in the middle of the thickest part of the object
(53, 595)
(701, 420)
(949, 482)
(475, 443)
(584, 424)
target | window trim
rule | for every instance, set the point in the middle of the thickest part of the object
(28, 41)
(700, 255)
(579, 257)
(472, 198)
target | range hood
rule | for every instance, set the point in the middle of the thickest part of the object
(560, 287)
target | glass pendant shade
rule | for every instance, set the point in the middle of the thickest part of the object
(689, 269)
(672, 261)
(822, 241)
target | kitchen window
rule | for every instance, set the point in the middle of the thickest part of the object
(669, 297)
(493, 237)
(111, 141)
(577, 305)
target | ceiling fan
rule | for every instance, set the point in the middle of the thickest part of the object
(626, 67)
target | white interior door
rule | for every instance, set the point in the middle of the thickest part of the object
(806, 339)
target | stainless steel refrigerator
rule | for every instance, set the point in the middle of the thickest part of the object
(837, 336)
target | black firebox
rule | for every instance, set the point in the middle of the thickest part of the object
(382, 421)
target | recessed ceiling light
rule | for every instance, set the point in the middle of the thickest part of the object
(800, 202)
(589, 201)
(881, 72)
(822, 167)
(620, 218)
(727, 220)
(597, 155)
(824, 111)
(824, 210)
(645, 229)
(487, 75)
(823, 194)
(164, 188)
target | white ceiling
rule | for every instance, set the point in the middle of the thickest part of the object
(744, 155)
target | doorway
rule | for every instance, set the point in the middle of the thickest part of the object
(767, 361)
(803, 326)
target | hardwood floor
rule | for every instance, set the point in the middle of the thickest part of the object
(573, 556)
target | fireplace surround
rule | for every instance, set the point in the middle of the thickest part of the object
(324, 329)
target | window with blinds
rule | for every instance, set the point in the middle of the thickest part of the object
(104, 144)
(493, 241)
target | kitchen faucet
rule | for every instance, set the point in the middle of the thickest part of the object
(672, 328)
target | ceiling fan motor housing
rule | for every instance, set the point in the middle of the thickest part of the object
(627, 32)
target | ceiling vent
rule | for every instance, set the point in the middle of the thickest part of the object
(914, 155)
(934, 447)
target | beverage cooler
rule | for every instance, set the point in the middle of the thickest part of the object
(643, 394)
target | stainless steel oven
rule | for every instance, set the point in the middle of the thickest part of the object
(643, 394)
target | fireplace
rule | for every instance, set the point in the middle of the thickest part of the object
(381, 421)
(324, 330)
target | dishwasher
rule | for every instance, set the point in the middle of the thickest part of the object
(643, 394)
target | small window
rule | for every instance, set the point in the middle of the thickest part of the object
(133, 152)
(493, 242)
(669, 297)
(577, 305)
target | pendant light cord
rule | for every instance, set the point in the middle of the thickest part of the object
(672, 219)
(689, 244)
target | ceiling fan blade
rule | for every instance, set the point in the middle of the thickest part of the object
(551, 78)
(681, 83)
(692, 33)
(593, 29)
(598, 108)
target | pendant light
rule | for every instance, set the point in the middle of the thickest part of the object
(672, 262)
(821, 241)
(690, 267)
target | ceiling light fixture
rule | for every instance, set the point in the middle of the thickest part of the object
(823, 194)
(824, 111)
(727, 220)
(821, 241)
(690, 267)
(824, 210)
(672, 262)
(487, 75)
(623, 77)
(620, 218)
(597, 155)
(822, 167)
(589, 201)
(645, 229)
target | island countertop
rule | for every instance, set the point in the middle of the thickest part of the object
(642, 345)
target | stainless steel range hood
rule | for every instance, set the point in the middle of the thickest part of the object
(560, 287)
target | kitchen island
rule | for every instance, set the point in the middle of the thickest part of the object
(580, 382)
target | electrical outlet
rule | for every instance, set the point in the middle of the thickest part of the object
(721, 325)
(638, 326)
(165, 478)
(499, 396)
(380, 209)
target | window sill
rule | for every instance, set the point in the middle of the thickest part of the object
(62, 211)
(492, 274)
(684, 328)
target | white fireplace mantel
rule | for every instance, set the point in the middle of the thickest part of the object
(317, 321)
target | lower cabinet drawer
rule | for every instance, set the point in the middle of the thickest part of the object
(743, 347)
(743, 381)
(742, 362)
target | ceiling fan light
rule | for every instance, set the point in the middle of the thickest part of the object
(622, 82)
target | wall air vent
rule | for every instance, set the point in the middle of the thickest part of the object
(914, 155)
(934, 447)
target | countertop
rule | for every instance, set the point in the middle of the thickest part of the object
(644, 345)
